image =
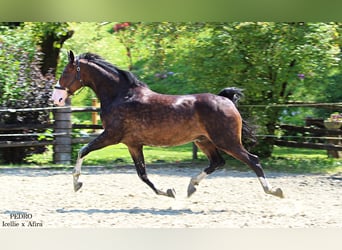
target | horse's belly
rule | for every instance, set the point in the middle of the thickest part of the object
(166, 142)
(165, 134)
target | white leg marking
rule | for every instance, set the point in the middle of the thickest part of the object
(201, 176)
(79, 161)
(76, 174)
(195, 181)
(78, 165)
(264, 182)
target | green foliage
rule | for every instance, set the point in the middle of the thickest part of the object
(21, 86)
(12, 48)
(44, 29)
(268, 59)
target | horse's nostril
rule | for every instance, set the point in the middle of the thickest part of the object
(60, 99)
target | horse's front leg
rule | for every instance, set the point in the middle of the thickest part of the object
(77, 169)
(99, 142)
(139, 162)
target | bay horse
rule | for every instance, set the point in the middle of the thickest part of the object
(136, 116)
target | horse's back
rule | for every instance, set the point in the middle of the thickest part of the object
(163, 120)
(192, 108)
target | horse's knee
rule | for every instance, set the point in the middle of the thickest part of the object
(83, 152)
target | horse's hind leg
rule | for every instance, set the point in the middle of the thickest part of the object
(215, 161)
(240, 153)
(139, 162)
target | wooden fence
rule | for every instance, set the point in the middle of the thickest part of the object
(62, 137)
(313, 138)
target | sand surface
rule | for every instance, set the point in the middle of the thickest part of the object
(116, 198)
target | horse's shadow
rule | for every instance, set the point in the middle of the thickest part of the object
(135, 210)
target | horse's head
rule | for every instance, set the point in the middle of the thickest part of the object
(69, 82)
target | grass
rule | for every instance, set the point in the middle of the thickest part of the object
(299, 153)
(290, 160)
(118, 154)
(302, 161)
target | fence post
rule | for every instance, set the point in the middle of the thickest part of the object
(62, 147)
(334, 153)
(194, 151)
(94, 115)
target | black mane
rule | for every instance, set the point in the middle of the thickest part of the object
(98, 60)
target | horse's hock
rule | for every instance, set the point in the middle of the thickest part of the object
(62, 128)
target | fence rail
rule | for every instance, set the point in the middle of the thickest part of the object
(335, 106)
(312, 130)
(62, 137)
(295, 144)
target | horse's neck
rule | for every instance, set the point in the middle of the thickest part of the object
(104, 85)
(114, 95)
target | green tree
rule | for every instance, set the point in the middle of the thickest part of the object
(50, 36)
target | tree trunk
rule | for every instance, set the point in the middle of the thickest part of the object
(50, 46)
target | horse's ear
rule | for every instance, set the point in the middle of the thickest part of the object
(71, 56)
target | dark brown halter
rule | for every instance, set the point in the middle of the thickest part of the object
(77, 78)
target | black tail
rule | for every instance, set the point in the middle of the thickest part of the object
(232, 93)
(248, 134)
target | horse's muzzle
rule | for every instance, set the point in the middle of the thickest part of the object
(59, 95)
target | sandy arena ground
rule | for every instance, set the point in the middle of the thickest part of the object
(116, 198)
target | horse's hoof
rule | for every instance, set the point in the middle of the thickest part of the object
(171, 193)
(191, 190)
(279, 193)
(77, 186)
